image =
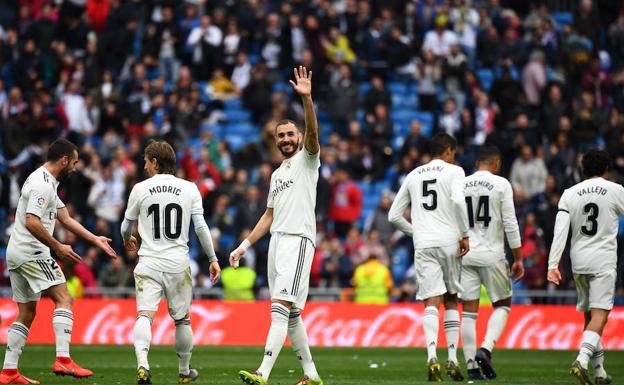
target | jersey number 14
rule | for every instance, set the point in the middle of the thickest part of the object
(483, 211)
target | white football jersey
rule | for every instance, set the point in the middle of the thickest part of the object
(491, 215)
(591, 210)
(436, 194)
(38, 197)
(293, 195)
(164, 205)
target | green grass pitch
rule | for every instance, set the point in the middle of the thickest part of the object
(115, 365)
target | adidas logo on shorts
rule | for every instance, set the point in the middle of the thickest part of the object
(284, 291)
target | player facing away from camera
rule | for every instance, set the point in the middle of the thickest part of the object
(290, 218)
(439, 227)
(164, 206)
(491, 217)
(32, 269)
(590, 211)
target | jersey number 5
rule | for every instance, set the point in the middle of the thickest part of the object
(426, 191)
(592, 210)
(171, 232)
(483, 211)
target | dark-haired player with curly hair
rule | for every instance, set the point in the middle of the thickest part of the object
(590, 210)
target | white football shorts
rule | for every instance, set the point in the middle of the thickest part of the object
(495, 278)
(33, 277)
(290, 262)
(438, 271)
(151, 285)
(595, 291)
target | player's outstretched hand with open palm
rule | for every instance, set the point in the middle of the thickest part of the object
(215, 272)
(554, 276)
(517, 271)
(104, 244)
(303, 81)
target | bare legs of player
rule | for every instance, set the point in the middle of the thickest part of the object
(591, 349)
(286, 320)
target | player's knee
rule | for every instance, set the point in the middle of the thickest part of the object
(63, 300)
(286, 304)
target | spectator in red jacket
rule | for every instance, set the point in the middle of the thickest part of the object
(346, 202)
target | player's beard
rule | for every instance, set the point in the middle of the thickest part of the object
(66, 172)
(288, 153)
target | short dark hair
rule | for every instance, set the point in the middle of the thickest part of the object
(441, 142)
(164, 155)
(596, 162)
(60, 148)
(287, 121)
(488, 154)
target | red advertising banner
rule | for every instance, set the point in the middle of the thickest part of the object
(109, 321)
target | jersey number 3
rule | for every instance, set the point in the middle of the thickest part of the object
(171, 232)
(591, 209)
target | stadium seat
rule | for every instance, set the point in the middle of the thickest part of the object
(238, 141)
(563, 18)
(397, 88)
(233, 103)
(240, 128)
(364, 87)
(486, 77)
(371, 200)
(238, 115)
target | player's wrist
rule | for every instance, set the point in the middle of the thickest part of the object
(245, 244)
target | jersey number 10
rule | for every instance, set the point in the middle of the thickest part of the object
(171, 232)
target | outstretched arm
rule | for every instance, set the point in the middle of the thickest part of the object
(75, 227)
(262, 227)
(303, 86)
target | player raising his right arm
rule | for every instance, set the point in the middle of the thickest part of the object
(591, 211)
(491, 216)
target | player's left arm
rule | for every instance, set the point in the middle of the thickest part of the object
(303, 86)
(400, 203)
(560, 238)
(458, 197)
(512, 232)
(75, 227)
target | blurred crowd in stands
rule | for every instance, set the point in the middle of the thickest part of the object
(543, 80)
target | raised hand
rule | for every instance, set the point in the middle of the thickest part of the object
(303, 81)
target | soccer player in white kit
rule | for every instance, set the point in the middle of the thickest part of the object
(491, 217)
(290, 217)
(32, 269)
(164, 206)
(439, 227)
(590, 210)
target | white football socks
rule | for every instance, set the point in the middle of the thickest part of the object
(469, 338)
(496, 325)
(597, 361)
(588, 347)
(16, 339)
(299, 340)
(275, 338)
(183, 340)
(63, 323)
(451, 329)
(431, 324)
(142, 340)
